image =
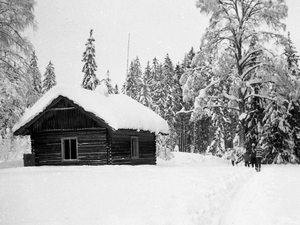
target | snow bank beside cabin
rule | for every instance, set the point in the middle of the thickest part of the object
(190, 189)
(117, 110)
(189, 159)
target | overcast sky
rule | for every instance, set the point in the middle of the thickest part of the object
(156, 27)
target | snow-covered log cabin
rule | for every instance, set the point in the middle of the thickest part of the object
(75, 126)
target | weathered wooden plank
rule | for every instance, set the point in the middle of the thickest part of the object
(92, 143)
(91, 150)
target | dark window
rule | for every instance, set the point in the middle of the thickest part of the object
(69, 148)
(134, 147)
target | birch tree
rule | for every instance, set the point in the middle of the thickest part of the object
(240, 31)
(15, 17)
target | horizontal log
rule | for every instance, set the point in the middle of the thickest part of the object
(93, 144)
(121, 156)
(41, 151)
(91, 138)
(95, 155)
(91, 150)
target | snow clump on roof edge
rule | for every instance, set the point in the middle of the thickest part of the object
(102, 89)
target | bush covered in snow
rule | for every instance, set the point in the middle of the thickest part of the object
(13, 148)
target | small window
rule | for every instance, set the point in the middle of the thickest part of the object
(134, 147)
(69, 148)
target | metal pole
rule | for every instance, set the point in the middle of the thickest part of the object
(127, 61)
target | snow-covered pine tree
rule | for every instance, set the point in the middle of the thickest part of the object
(34, 74)
(291, 57)
(107, 82)
(276, 128)
(147, 72)
(282, 117)
(217, 146)
(90, 81)
(123, 88)
(49, 78)
(145, 96)
(294, 121)
(157, 87)
(134, 79)
(168, 78)
(154, 71)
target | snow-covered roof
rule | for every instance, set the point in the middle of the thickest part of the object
(119, 111)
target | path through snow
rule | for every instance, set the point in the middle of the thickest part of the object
(268, 198)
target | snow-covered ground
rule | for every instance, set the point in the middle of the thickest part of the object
(271, 197)
(189, 189)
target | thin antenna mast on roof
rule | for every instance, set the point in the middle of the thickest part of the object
(127, 61)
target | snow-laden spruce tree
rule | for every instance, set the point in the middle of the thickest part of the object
(155, 84)
(90, 81)
(291, 57)
(49, 78)
(107, 82)
(162, 85)
(169, 81)
(234, 58)
(35, 76)
(282, 123)
(280, 117)
(134, 79)
(145, 96)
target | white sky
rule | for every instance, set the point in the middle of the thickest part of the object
(156, 27)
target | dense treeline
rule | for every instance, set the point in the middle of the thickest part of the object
(236, 90)
(172, 92)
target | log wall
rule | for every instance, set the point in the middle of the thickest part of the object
(121, 148)
(92, 147)
(97, 143)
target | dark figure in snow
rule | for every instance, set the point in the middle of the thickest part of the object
(247, 159)
(259, 155)
(233, 157)
(253, 155)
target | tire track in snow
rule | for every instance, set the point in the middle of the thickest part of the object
(266, 199)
